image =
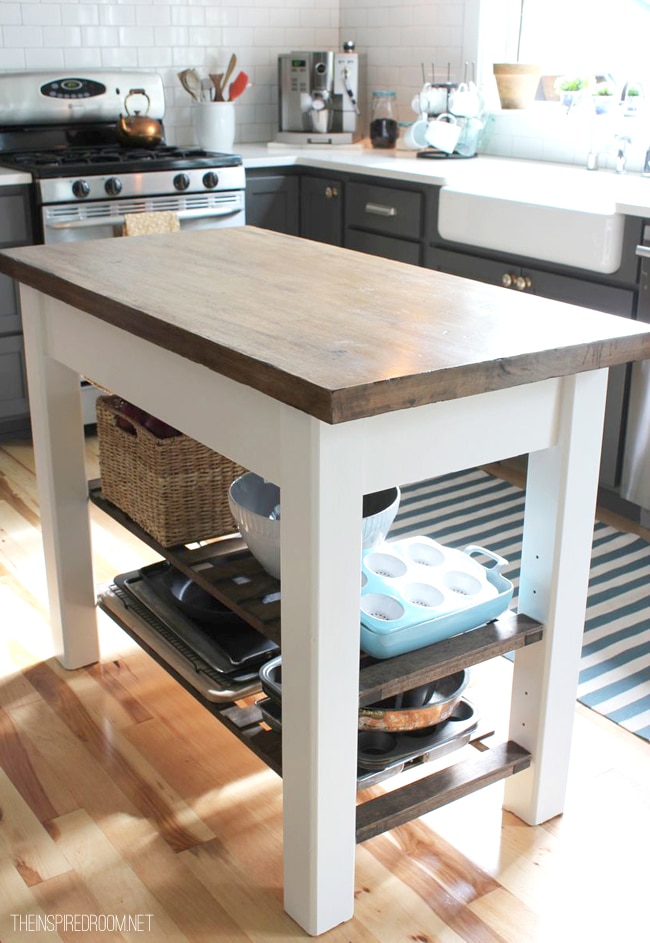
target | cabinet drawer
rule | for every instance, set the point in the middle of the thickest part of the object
(384, 246)
(385, 210)
(13, 382)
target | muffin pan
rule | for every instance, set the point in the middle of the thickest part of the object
(415, 592)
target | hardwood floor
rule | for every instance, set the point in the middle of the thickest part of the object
(122, 799)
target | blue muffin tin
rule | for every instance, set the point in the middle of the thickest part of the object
(416, 592)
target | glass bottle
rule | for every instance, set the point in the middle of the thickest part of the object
(383, 124)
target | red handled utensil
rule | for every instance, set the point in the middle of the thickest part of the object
(237, 86)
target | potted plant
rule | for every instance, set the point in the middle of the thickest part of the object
(603, 97)
(571, 87)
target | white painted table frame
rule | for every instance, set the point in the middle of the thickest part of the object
(323, 471)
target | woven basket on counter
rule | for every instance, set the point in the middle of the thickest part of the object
(174, 488)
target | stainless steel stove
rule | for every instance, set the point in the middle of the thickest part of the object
(62, 129)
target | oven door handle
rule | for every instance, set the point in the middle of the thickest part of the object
(95, 222)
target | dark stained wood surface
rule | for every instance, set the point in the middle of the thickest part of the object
(338, 334)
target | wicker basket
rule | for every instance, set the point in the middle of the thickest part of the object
(175, 489)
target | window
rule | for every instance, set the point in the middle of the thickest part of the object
(587, 37)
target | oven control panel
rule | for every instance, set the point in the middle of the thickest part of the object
(73, 88)
(95, 95)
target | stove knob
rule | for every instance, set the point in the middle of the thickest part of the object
(81, 188)
(181, 181)
(210, 180)
(113, 186)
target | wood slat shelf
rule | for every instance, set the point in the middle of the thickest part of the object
(243, 721)
(226, 569)
(376, 815)
(431, 792)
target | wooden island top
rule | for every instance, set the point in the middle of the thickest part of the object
(339, 335)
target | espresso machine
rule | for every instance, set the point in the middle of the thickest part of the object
(318, 97)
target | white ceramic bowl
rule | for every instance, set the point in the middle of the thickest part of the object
(253, 500)
(379, 510)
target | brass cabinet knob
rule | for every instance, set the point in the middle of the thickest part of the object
(331, 192)
(520, 282)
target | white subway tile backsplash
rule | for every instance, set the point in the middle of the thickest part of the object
(10, 14)
(136, 36)
(103, 36)
(63, 37)
(73, 14)
(117, 15)
(44, 59)
(22, 36)
(397, 38)
(41, 14)
(13, 58)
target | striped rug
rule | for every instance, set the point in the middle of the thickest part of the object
(473, 507)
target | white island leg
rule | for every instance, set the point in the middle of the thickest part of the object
(558, 528)
(321, 553)
(57, 425)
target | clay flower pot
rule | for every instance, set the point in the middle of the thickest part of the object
(517, 83)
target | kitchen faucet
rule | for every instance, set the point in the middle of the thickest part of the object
(622, 140)
(620, 146)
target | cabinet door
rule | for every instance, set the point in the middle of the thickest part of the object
(613, 301)
(575, 291)
(272, 202)
(13, 381)
(15, 224)
(321, 209)
(9, 312)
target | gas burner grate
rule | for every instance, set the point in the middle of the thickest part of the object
(108, 158)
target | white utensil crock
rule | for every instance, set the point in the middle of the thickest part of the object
(214, 125)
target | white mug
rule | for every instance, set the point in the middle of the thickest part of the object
(415, 136)
(464, 101)
(443, 133)
(431, 100)
(214, 125)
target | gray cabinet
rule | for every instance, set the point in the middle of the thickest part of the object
(385, 220)
(321, 208)
(272, 201)
(617, 299)
(15, 230)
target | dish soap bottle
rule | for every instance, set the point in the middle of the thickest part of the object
(383, 126)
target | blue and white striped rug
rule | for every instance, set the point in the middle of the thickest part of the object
(473, 507)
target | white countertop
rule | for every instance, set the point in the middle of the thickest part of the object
(9, 178)
(528, 181)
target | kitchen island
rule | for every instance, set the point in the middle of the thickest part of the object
(333, 374)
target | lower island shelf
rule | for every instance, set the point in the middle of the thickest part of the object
(226, 569)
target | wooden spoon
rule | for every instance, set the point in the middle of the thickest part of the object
(187, 83)
(229, 71)
(217, 82)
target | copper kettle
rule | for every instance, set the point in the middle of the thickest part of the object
(138, 130)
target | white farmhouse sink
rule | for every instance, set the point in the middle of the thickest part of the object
(554, 214)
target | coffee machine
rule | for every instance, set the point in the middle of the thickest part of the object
(318, 97)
